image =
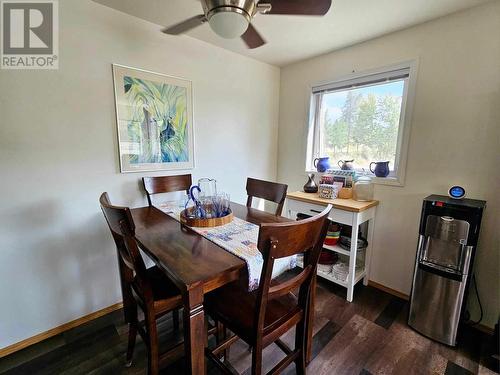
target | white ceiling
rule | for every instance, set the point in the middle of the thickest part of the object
(293, 38)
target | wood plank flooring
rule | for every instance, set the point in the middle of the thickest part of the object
(368, 336)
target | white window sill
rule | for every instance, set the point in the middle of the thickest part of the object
(390, 180)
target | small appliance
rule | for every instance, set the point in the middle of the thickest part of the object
(449, 231)
(310, 186)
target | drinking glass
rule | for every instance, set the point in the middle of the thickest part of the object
(207, 207)
(225, 204)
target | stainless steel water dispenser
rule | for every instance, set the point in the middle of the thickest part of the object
(449, 230)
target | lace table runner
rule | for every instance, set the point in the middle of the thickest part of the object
(239, 237)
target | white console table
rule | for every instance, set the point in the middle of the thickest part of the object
(347, 212)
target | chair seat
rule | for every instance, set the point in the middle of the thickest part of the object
(236, 307)
(166, 295)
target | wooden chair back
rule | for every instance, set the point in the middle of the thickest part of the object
(270, 191)
(279, 240)
(130, 261)
(166, 184)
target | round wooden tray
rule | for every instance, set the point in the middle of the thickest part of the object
(205, 223)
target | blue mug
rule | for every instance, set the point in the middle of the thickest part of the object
(322, 164)
(381, 168)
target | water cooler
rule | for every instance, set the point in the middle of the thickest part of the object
(449, 230)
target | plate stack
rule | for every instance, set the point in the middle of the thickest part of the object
(345, 243)
(340, 270)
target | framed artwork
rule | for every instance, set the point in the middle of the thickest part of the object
(154, 114)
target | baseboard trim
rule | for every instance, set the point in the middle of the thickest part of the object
(389, 290)
(57, 330)
(485, 329)
(97, 314)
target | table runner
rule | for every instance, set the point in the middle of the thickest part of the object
(239, 237)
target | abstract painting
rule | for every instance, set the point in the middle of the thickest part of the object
(155, 120)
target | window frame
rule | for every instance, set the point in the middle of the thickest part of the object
(397, 177)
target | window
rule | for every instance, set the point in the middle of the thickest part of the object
(363, 118)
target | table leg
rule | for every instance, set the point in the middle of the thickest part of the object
(310, 321)
(352, 258)
(194, 331)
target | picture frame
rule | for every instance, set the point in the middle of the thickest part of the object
(154, 118)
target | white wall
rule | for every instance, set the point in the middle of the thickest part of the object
(58, 152)
(454, 136)
(58, 148)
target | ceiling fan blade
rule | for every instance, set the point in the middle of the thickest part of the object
(252, 38)
(298, 7)
(186, 25)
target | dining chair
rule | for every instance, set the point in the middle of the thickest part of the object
(270, 191)
(147, 288)
(166, 184)
(261, 317)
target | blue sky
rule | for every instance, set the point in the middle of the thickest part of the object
(334, 101)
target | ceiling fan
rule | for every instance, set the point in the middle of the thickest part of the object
(232, 18)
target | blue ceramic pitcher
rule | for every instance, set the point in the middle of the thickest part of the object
(199, 212)
(381, 168)
(322, 164)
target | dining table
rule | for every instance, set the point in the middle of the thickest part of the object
(197, 266)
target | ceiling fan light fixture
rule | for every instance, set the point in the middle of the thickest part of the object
(229, 22)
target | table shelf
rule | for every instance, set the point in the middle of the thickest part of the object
(360, 273)
(337, 249)
(346, 212)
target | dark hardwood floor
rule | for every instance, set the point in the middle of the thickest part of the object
(368, 336)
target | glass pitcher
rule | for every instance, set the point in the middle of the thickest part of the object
(208, 187)
(206, 190)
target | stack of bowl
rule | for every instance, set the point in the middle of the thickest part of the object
(328, 257)
(333, 234)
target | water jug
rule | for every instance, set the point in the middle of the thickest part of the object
(381, 168)
(322, 164)
(346, 165)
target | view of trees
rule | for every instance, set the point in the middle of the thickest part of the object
(366, 130)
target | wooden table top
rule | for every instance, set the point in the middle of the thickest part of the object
(342, 204)
(188, 258)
